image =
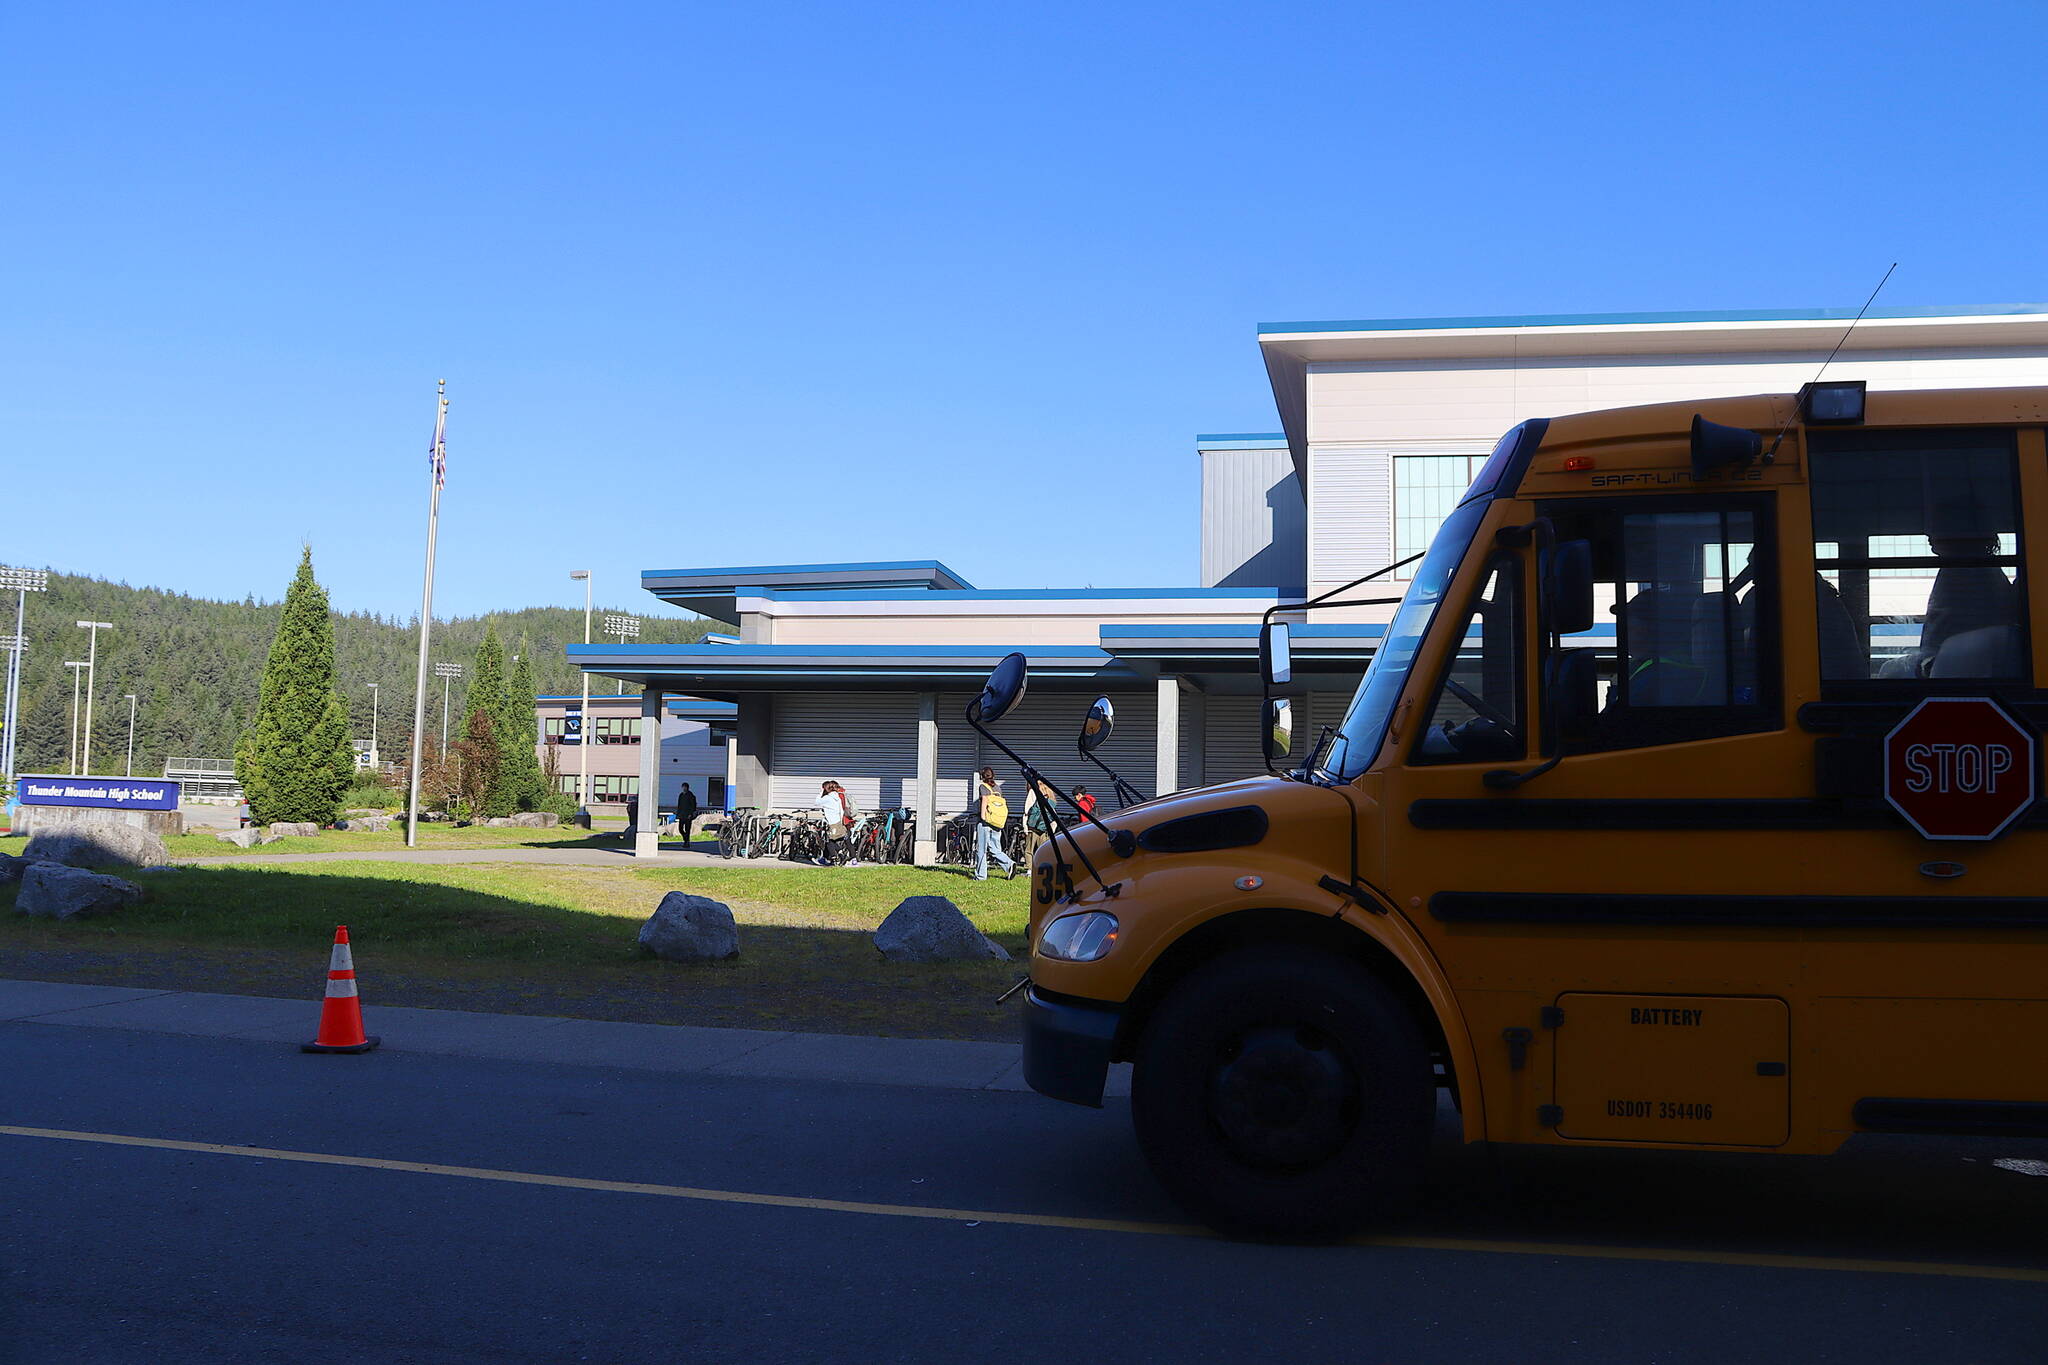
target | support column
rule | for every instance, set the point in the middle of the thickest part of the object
(927, 844)
(752, 752)
(1167, 764)
(647, 831)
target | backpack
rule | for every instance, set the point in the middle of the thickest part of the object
(1038, 821)
(995, 811)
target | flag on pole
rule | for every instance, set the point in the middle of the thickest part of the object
(437, 453)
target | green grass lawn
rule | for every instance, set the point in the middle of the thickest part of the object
(544, 939)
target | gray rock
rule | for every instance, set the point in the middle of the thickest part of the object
(11, 868)
(685, 928)
(97, 846)
(287, 829)
(241, 838)
(359, 823)
(499, 822)
(55, 891)
(932, 929)
(537, 819)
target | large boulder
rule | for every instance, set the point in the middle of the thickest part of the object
(55, 891)
(290, 829)
(537, 819)
(11, 868)
(241, 838)
(932, 929)
(97, 846)
(499, 822)
(359, 823)
(685, 928)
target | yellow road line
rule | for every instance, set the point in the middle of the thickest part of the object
(1043, 1220)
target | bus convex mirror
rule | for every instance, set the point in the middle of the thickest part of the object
(1567, 586)
(1275, 664)
(1278, 730)
(1003, 690)
(1097, 724)
(1714, 445)
(1571, 691)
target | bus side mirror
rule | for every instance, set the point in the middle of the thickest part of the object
(1275, 664)
(1097, 724)
(1571, 691)
(1565, 580)
(1003, 690)
(1277, 729)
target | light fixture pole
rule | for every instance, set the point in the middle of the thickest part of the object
(583, 716)
(625, 627)
(92, 654)
(24, 582)
(71, 764)
(130, 770)
(373, 727)
(445, 672)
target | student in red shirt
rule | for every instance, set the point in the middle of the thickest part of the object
(1084, 801)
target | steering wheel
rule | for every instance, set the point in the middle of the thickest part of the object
(1480, 704)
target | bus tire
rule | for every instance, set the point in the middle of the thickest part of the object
(1284, 1093)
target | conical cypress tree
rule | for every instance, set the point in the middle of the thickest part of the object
(295, 762)
(487, 697)
(516, 739)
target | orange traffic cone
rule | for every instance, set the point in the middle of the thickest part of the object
(341, 1013)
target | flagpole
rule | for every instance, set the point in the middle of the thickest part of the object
(437, 465)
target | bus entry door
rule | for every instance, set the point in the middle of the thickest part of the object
(1673, 1068)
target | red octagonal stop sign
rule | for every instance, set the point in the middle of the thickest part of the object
(1959, 768)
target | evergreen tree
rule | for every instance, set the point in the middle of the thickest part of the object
(500, 796)
(516, 734)
(295, 762)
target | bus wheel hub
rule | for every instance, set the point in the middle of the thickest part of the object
(1282, 1096)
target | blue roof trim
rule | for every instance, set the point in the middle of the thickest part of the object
(732, 571)
(1638, 319)
(1012, 594)
(1355, 630)
(727, 653)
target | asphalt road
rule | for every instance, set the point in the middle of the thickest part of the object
(127, 1253)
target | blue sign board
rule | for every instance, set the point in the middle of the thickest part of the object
(119, 793)
(572, 725)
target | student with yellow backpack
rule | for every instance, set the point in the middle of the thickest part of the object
(991, 813)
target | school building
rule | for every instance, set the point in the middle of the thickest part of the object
(860, 672)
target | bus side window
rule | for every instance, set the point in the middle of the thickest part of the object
(1917, 547)
(1694, 644)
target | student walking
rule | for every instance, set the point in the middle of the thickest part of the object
(686, 811)
(1084, 801)
(991, 813)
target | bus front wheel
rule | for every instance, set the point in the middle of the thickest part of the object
(1284, 1092)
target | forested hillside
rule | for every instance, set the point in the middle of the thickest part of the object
(195, 667)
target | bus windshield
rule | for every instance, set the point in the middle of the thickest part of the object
(1365, 722)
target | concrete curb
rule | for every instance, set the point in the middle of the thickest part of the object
(674, 1049)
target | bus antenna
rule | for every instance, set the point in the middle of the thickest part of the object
(1779, 439)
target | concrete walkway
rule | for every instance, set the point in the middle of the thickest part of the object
(672, 1048)
(671, 855)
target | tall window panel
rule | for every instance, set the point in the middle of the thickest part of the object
(1426, 488)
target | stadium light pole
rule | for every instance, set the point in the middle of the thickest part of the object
(92, 654)
(71, 764)
(24, 582)
(130, 771)
(583, 716)
(626, 628)
(445, 672)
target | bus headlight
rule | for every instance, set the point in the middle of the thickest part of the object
(1086, 937)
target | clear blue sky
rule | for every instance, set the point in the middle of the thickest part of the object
(766, 284)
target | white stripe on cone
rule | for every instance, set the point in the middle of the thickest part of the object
(339, 989)
(341, 961)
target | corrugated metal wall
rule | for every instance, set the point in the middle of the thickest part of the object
(1253, 520)
(1350, 514)
(867, 741)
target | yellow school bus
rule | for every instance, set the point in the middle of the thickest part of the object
(1690, 802)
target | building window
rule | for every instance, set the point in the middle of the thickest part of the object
(1426, 488)
(613, 786)
(615, 730)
